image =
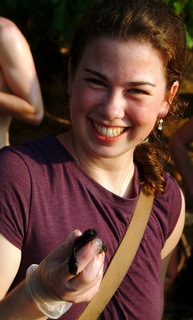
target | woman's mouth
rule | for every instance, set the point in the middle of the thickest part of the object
(108, 131)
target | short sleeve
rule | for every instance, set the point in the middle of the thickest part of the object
(173, 200)
(15, 193)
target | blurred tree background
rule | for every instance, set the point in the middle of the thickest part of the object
(184, 8)
(48, 26)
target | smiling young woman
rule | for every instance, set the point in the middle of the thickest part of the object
(125, 66)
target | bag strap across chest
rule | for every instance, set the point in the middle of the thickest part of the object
(121, 261)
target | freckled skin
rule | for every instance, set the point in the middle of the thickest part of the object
(128, 96)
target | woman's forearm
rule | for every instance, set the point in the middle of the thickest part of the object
(18, 306)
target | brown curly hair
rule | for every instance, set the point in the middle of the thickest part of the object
(154, 22)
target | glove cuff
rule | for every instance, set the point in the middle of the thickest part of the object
(50, 307)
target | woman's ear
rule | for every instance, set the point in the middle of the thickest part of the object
(69, 81)
(168, 101)
(173, 92)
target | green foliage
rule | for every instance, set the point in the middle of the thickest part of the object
(184, 8)
(45, 16)
(47, 24)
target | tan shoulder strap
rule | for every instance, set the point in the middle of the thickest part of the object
(121, 261)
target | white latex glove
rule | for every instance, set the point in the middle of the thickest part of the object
(52, 287)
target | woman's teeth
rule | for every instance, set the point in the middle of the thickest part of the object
(108, 131)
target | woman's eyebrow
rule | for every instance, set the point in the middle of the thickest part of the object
(139, 83)
(129, 83)
(96, 73)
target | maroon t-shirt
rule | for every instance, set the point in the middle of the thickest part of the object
(45, 195)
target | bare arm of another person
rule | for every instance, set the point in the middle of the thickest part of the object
(178, 145)
(20, 94)
(51, 279)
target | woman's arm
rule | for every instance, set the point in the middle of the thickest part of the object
(51, 282)
(178, 145)
(171, 243)
(17, 303)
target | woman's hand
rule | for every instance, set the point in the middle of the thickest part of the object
(53, 276)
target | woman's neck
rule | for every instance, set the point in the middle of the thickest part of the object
(115, 176)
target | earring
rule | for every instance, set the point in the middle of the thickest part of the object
(160, 127)
(145, 140)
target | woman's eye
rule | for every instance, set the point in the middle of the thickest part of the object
(137, 91)
(96, 82)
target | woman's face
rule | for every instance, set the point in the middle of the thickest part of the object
(116, 95)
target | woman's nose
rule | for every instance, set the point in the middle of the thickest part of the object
(113, 107)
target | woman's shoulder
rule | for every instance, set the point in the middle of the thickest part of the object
(169, 204)
(175, 206)
(41, 150)
(172, 188)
